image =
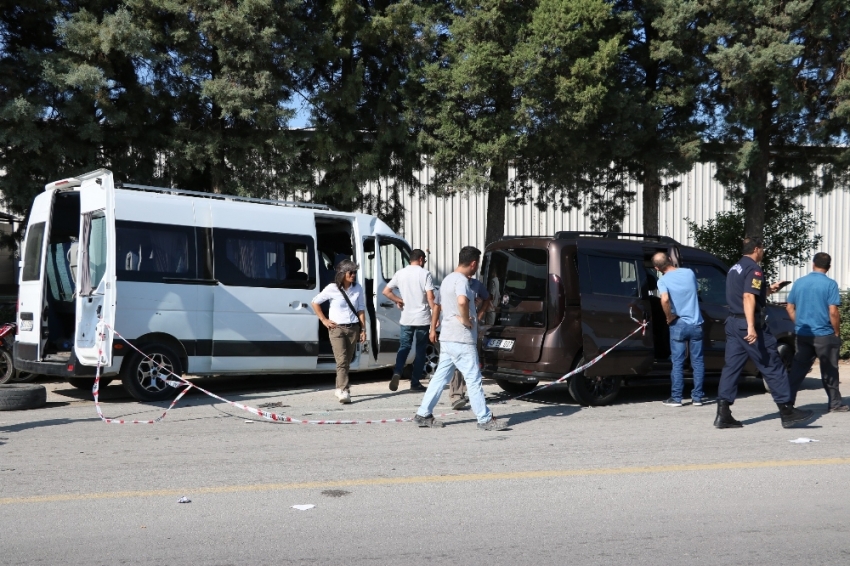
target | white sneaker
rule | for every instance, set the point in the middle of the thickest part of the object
(338, 394)
(345, 398)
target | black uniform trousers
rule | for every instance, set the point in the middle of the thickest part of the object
(825, 349)
(762, 352)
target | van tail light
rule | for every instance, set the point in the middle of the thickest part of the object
(17, 316)
(556, 301)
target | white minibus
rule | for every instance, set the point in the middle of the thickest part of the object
(203, 283)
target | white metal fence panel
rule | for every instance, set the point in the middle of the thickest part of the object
(441, 226)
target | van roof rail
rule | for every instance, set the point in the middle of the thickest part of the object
(570, 235)
(222, 197)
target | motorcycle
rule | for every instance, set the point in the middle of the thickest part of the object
(7, 367)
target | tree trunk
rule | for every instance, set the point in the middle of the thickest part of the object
(755, 195)
(496, 204)
(651, 199)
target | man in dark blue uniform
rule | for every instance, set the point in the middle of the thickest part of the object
(747, 336)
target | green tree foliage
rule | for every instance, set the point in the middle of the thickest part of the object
(776, 65)
(514, 84)
(657, 122)
(789, 236)
(64, 111)
(358, 90)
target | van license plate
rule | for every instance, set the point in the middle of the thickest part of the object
(500, 344)
(26, 325)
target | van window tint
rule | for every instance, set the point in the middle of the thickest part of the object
(711, 283)
(152, 252)
(516, 279)
(613, 276)
(32, 255)
(262, 259)
(394, 256)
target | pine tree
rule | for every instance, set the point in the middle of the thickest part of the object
(515, 84)
(776, 65)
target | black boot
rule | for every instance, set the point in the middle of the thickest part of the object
(724, 416)
(792, 416)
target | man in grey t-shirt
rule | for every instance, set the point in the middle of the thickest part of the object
(457, 346)
(416, 287)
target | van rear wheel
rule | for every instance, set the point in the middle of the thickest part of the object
(517, 388)
(594, 391)
(144, 377)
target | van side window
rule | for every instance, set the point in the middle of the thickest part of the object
(152, 252)
(711, 283)
(32, 255)
(613, 276)
(394, 256)
(263, 259)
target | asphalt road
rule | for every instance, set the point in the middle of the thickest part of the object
(633, 483)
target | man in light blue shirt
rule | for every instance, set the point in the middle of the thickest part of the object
(813, 306)
(680, 301)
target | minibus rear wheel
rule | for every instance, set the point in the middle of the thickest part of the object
(144, 377)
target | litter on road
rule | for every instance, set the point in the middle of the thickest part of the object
(803, 440)
(303, 507)
(184, 499)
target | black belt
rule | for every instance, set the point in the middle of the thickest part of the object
(349, 325)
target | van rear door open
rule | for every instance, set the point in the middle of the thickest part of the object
(32, 314)
(96, 290)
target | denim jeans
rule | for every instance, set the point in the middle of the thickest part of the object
(684, 336)
(408, 335)
(456, 355)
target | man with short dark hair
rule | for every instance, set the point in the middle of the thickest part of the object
(416, 287)
(680, 301)
(813, 306)
(457, 346)
(748, 337)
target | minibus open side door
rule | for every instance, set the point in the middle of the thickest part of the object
(96, 290)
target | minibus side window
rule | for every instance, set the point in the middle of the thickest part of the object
(32, 255)
(153, 253)
(394, 257)
(261, 259)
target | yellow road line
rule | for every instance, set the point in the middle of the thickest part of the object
(497, 476)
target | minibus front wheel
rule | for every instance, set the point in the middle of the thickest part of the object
(144, 376)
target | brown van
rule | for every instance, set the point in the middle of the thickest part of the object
(558, 301)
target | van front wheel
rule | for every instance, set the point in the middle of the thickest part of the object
(594, 391)
(144, 377)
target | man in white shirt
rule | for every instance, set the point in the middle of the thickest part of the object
(416, 287)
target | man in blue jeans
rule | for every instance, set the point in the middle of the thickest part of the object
(680, 301)
(457, 346)
(813, 306)
(416, 287)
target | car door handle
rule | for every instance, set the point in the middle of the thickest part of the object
(298, 305)
(387, 305)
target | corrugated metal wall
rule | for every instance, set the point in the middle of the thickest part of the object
(441, 226)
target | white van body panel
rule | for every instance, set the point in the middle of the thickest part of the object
(258, 329)
(148, 308)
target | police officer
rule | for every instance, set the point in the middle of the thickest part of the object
(747, 336)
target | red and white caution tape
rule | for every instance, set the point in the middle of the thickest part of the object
(641, 328)
(178, 382)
